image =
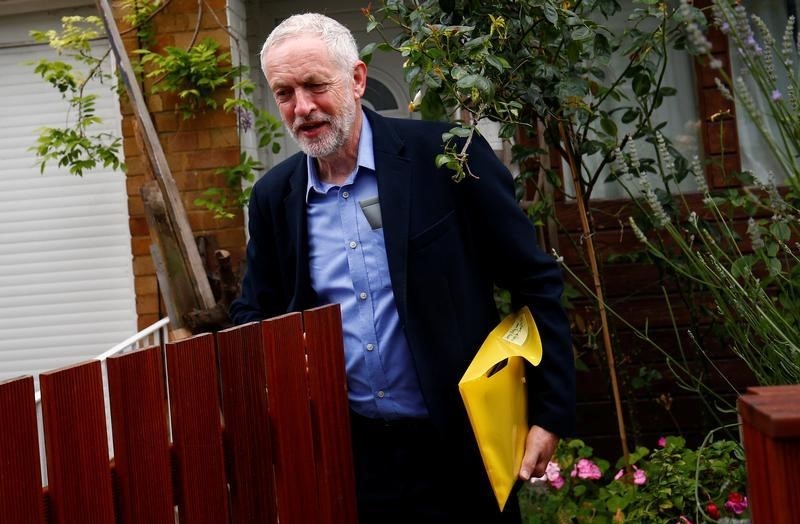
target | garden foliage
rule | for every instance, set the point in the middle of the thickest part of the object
(200, 76)
(665, 484)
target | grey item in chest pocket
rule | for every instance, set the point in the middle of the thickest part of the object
(372, 211)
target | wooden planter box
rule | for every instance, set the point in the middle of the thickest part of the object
(771, 434)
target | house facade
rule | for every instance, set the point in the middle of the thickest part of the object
(76, 275)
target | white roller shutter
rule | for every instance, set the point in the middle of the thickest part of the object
(66, 278)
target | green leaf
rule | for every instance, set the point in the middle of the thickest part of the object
(367, 51)
(772, 249)
(442, 160)
(479, 82)
(630, 115)
(780, 230)
(581, 33)
(590, 147)
(461, 132)
(551, 14)
(411, 74)
(641, 84)
(608, 125)
(496, 62)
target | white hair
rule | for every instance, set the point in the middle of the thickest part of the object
(337, 38)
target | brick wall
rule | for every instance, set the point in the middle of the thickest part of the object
(194, 148)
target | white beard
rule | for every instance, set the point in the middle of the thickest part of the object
(341, 126)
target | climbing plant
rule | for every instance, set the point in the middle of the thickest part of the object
(197, 75)
(76, 145)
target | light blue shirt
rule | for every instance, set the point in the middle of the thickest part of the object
(348, 266)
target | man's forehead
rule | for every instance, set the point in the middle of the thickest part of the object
(308, 52)
(306, 44)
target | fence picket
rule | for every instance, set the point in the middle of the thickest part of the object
(331, 413)
(76, 445)
(260, 432)
(20, 476)
(248, 444)
(196, 431)
(141, 437)
(295, 470)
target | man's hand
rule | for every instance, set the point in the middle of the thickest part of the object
(539, 448)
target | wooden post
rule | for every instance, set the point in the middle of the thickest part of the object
(771, 434)
(173, 279)
(175, 212)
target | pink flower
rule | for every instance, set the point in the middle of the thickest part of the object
(557, 482)
(586, 469)
(553, 471)
(639, 475)
(553, 475)
(662, 442)
(736, 503)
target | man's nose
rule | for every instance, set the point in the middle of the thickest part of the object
(304, 103)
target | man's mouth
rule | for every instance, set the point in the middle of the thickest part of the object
(310, 129)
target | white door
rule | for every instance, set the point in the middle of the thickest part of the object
(66, 277)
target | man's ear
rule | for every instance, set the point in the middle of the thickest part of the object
(359, 79)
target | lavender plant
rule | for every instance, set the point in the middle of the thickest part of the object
(770, 65)
(753, 280)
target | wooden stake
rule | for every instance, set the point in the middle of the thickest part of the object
(598, 290)
(177, 219)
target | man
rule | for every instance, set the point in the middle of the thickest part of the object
(363, 218)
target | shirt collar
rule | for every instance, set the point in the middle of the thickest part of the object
(366, 159)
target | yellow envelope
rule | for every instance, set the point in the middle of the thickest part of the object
(494, 393)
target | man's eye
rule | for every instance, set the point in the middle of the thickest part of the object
(281, 95)
(317, 88)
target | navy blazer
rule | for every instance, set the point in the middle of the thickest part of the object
(447, 244)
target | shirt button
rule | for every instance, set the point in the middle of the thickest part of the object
(381, 394)
(370, 347)
(345, 194)
(362, 296)
(352, 244)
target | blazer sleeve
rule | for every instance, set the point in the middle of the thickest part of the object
(507, 243)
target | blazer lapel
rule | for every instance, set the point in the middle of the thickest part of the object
(296, 220)
(393, 172)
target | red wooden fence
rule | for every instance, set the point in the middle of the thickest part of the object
(771, 434)
(248, 426)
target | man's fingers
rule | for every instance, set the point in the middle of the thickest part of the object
(539, 448)
(533, 465)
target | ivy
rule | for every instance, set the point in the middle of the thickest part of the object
(195, 75)
(220, 200)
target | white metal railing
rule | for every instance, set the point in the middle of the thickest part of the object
(154, 334)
